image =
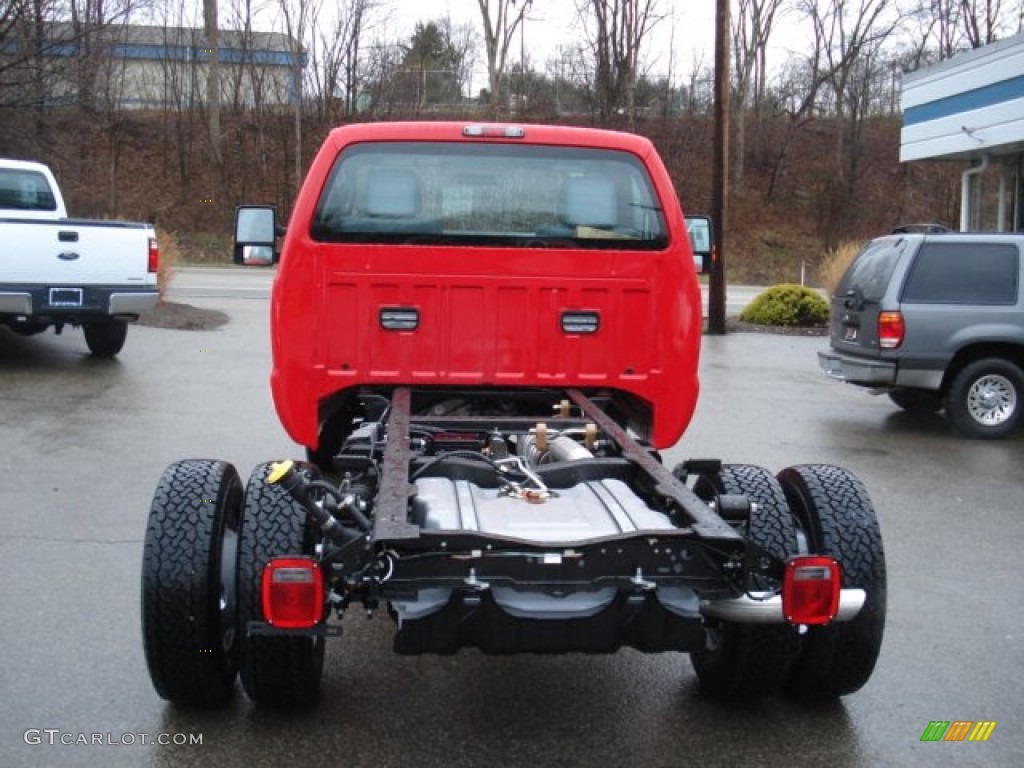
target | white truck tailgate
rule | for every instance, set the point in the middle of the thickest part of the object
(76, 252)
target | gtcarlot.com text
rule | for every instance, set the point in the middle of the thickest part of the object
(57, 737)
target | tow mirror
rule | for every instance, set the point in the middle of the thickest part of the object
(255, 235)
(702, 241)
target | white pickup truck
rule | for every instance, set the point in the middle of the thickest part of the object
(56, 271)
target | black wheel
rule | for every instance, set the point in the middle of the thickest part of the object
(275, 670)
(105, 339)
(916, 400)
(837, 519)
(748, 660)
(188, 582)
(984, 399)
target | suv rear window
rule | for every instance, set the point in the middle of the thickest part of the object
(489, 194)
(869, 273)
(963, 273)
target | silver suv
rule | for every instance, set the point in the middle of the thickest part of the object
(935, 321)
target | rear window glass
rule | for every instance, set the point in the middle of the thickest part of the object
(25, 191)
(963, 273)
(872, 268)
(489, 194)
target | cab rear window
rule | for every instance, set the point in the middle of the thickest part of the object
(489, 194)
(963, 273)
(25, 191)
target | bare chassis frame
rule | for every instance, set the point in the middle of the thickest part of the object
(703, 551)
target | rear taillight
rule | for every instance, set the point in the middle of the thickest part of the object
(293, 593)
(810, 590)
(890, 329)
(154, 255)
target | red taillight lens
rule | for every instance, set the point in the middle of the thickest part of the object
(293, 593)
(890, 329)
(810, 590)
(154, 255)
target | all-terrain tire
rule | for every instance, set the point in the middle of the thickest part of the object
(837, 518)
(106, 338)
(749, 660)
(986, 399)
(276, 671)
(188, 567)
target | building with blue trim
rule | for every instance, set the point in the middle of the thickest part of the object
(150, 67)
(970, 109)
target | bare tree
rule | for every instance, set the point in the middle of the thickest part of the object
(239, 18)
(573, 74)
(382, 63)
(947, 27)
(850, 35)
(297, 15)
(981, 20)
(352, 62)
(334, 51)
(501, 19)
(179, 91)
(462, 42)
(797, 93)
(752, 27)
(616, 29)
(24, 72)
(851, 32)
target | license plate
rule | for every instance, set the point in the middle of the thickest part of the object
(65, 297)
(850, 333)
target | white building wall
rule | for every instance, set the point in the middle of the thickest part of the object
(967, 106)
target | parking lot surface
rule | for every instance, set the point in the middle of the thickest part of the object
(85, 441)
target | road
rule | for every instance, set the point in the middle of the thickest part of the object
(86, 442)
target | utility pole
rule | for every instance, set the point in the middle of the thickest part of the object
(720, 171)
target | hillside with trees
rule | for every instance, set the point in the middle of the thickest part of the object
(815, 138)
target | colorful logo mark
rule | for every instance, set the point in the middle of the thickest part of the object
(958, 730)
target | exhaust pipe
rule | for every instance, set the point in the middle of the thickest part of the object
(750, 609)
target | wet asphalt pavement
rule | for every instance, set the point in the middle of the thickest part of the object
(85, 441)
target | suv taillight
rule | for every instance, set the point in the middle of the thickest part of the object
(890, 329)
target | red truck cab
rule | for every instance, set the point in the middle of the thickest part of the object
(449, 255)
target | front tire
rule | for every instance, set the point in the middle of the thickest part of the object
(984, 399)
(837, 519)
(106, 338)
(188, 588)
(276, 671)
(746, 660)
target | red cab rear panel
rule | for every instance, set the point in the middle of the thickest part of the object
(442, 254)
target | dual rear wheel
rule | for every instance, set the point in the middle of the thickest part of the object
(207, 542)
(820, 509)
